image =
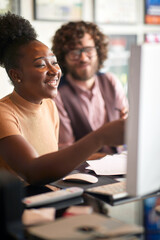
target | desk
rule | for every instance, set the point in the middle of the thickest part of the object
(88, 222)
(131, 212)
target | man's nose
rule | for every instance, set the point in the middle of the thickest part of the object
(83, 55)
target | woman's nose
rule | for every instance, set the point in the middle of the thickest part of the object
(52, 69)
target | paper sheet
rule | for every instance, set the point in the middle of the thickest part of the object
(109, 165)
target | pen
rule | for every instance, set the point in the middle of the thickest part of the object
(121, 110)
(118, 109)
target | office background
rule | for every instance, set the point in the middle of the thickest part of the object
(125, 27)
(123, 21)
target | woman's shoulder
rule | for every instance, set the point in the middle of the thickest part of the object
(7, 110)
(5, 102)
(5, 98)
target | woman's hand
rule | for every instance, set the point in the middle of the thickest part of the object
(112, 133)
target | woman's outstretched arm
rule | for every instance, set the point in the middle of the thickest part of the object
(24, 160)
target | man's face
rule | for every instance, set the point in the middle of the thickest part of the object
(84, 66)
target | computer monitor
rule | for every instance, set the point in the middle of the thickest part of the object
(143, 124)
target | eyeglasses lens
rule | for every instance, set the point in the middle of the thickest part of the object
(76, 53)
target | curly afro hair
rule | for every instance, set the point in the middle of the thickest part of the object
(15, 32)
(70, 34)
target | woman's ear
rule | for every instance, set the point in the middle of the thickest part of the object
(15, 76)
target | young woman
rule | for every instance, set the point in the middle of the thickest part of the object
(29, 121)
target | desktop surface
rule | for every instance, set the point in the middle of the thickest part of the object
(129, 209)
(101, 207)
(100, 204)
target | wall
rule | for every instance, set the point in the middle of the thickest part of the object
(45, 31)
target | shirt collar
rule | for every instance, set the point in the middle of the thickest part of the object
(20, 101)
(91, 92)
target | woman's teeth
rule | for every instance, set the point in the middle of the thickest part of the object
(53, 83)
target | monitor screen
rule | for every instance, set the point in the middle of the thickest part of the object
(143, 124)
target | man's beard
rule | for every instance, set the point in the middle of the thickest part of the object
(83, 75)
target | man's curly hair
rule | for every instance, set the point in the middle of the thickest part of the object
(70, 34)
(15, 32)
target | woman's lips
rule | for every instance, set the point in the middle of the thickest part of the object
(53, 83)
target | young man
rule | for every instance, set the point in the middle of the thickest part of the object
(87, 98)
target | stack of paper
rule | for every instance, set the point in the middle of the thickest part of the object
(110, 164)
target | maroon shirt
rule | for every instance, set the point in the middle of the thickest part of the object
(93, 107)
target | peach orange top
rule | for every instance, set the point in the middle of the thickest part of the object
(37, 123)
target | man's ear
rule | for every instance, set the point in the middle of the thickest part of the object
(15, 76)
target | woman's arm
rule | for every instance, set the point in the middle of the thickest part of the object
(24, 160)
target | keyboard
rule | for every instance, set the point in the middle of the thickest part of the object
(115, 190)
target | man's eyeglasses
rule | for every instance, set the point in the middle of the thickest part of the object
(76, 53)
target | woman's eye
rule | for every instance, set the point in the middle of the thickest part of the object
(54, 63)
(40, 65)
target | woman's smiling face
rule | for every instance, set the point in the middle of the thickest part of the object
(38, 71)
